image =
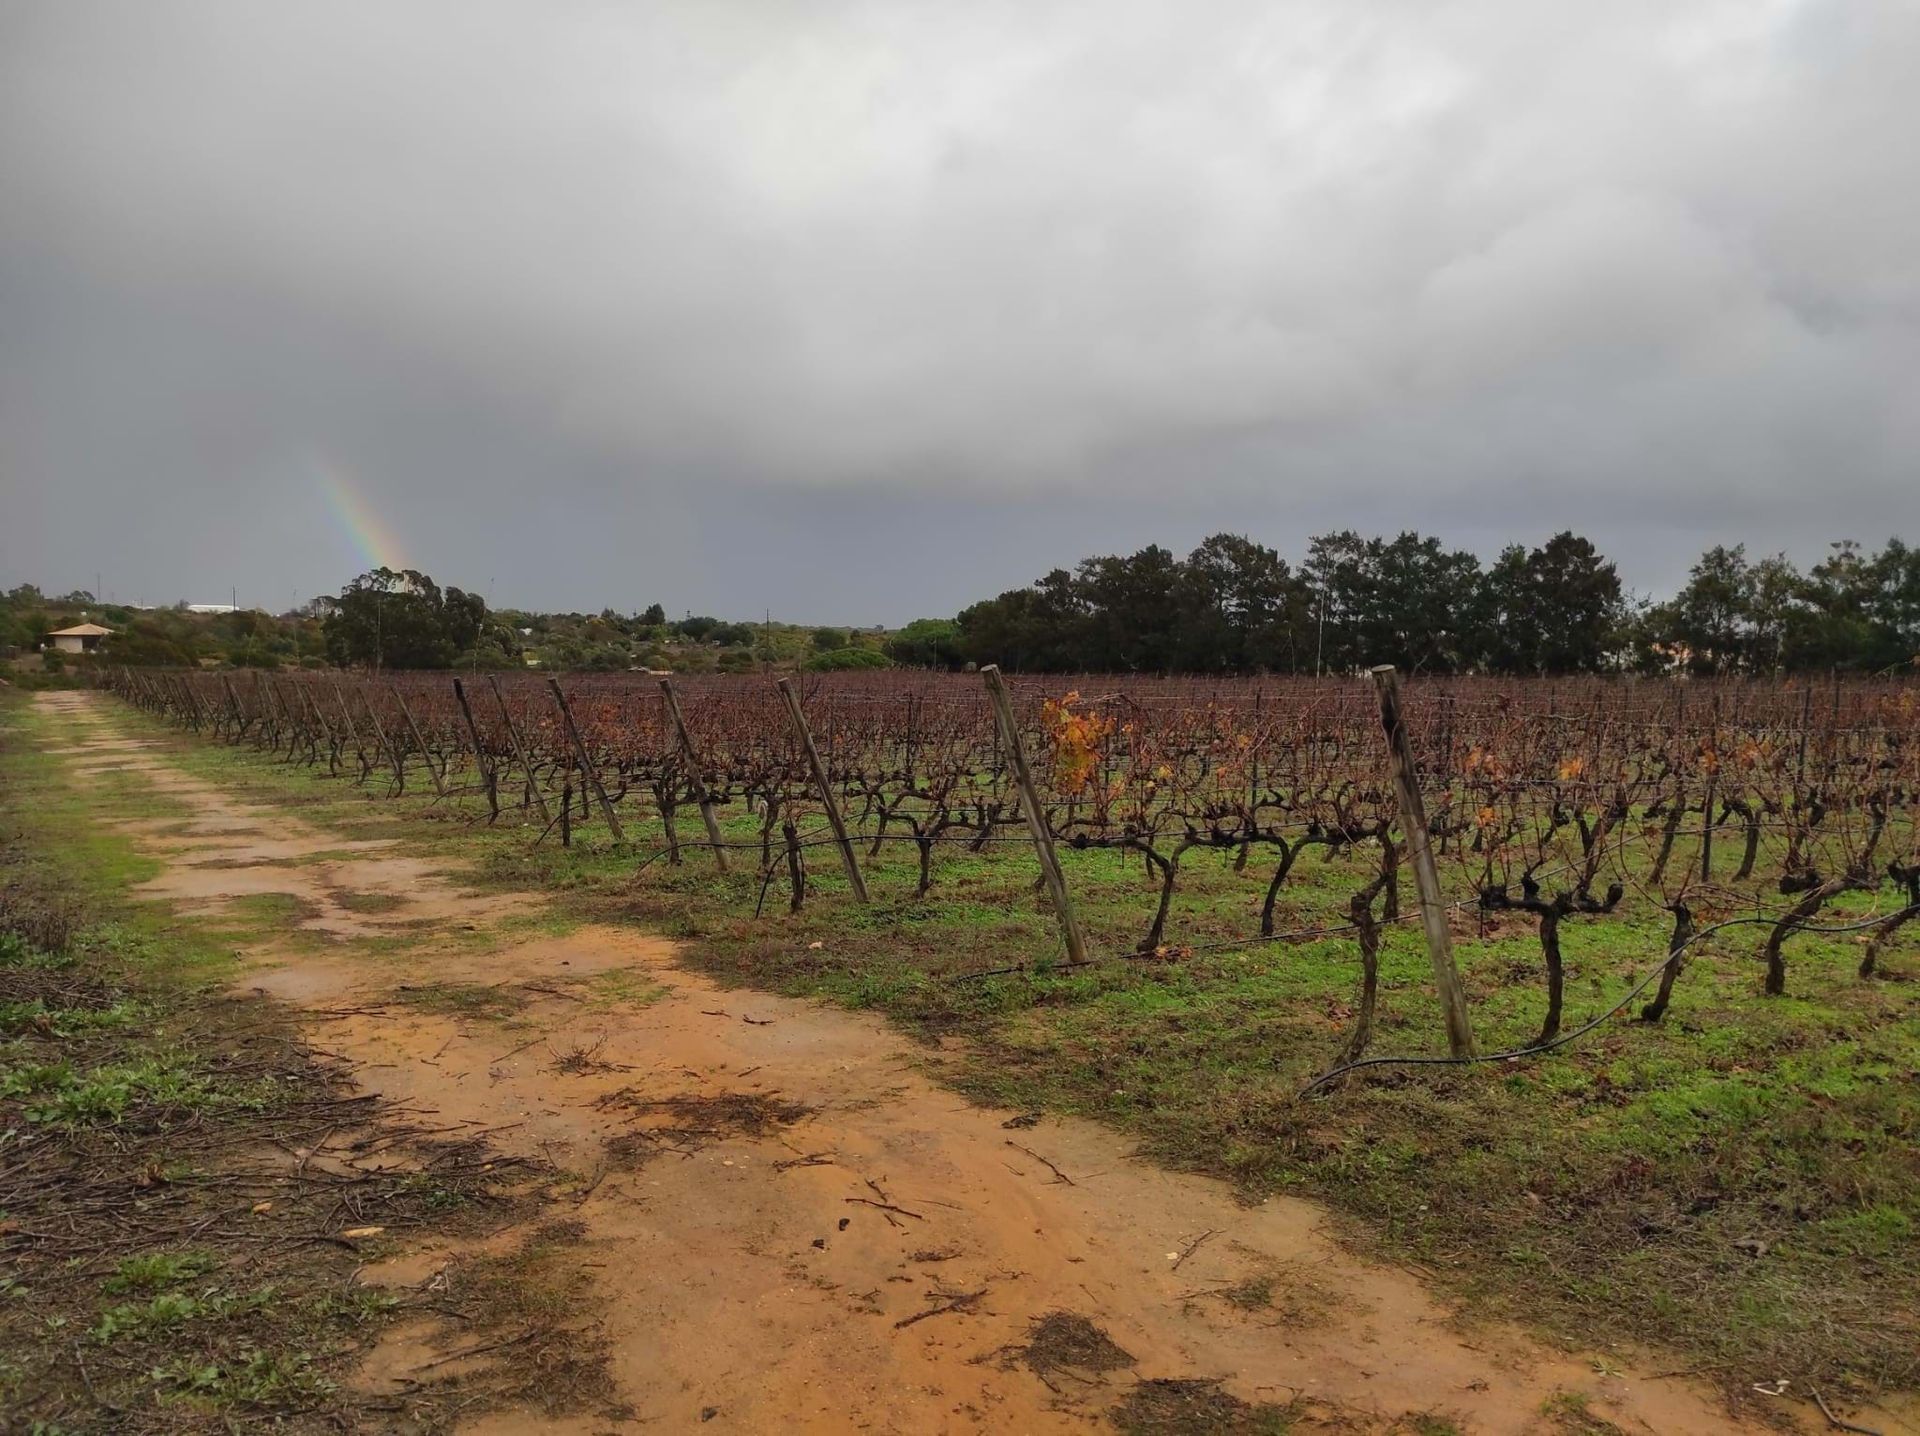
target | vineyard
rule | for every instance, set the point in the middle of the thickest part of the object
(1639, 1057)
(1718, 805)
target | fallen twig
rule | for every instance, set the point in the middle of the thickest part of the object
(1058, 1175)
(1180, 1260)
(473, 1351)
(810, 1159)
(959, 1301)
(1835, 1421)
(885, 1207)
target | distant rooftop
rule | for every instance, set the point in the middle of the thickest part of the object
(81, 630)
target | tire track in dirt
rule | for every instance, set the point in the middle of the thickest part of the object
(789, 1226)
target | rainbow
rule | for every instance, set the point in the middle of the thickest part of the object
(374, 541)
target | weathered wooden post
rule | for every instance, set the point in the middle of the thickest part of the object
(1433, 910)
(480, 758)
(353, 732)
(394, 755)
(1713, 789)
(192, 703)
(520, 752)
(825, 789)
(269, 719)
(240, 718)
(326, 728)
(699, 779)
(586, 767)
(419, 740)
(1036, 815)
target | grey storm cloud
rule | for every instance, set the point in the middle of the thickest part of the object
(859, 311)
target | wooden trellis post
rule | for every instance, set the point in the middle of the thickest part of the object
(699, 780)
(326, 728)
(419, 741)
(353, 732)
(825, 789)
(520, 752)
(1426, 878)
(240, 719)
(480, 758)
(586, 766)
(1036, 816)
(380, 738)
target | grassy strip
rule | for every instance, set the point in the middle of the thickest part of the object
(1738, 1183)
(176, 1251)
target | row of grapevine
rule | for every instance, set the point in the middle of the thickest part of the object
(1561, 800)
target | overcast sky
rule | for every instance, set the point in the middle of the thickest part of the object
(859, 312)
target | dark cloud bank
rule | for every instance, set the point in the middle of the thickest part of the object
(858, 312)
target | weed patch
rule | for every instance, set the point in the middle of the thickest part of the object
(172, 1254)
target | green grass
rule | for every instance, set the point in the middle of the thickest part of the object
(58, 1021)
(1740, 1182)
(152, 1271)
(370, 902)
(144, 1113)
(623, 987)
(61, 1094)
(248, 1380)
(169, 1310)
(462, 999)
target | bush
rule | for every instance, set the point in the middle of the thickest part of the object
(927, 643)
(842, 659)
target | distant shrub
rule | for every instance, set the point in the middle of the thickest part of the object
(927, 643)
(842, 659)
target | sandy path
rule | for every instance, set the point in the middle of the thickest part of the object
(750, 1282)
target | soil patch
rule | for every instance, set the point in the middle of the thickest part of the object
(1062, 1343)
(1197, 1408)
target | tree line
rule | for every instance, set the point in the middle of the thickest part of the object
(1234, 605)
(1231, 606)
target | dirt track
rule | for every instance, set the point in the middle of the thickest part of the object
(790, 1226)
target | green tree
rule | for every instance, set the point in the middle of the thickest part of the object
(1833, 627)
(1042, 629)
(1132, 608)
(1774, 599)
(1239, 608)
(1569, 611)
(927, 643)
(402, 619)
(1893, 608)
(1405, 601)
(1710, 613)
